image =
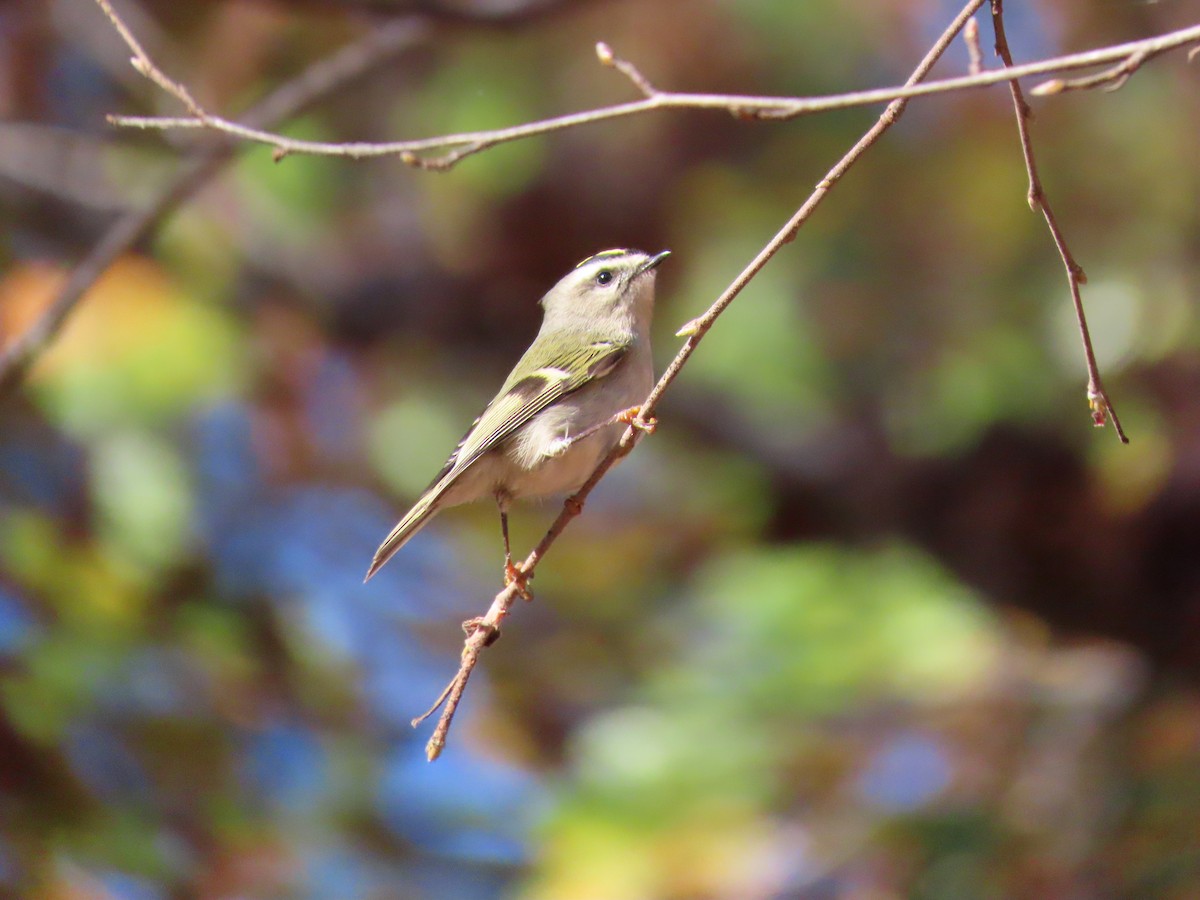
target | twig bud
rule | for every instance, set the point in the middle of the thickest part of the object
(1049, 88)
(604, 54)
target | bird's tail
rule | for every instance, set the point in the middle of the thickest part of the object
(414, 520)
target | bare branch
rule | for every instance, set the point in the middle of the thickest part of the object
(455, 147)
(1110, 79)
(484, 630)
(318, 81)
(606, 56)
(1101, 407)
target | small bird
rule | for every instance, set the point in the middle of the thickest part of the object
(561, 408)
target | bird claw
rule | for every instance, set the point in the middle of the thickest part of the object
(479, 623)
(633, 416)
(516, 575)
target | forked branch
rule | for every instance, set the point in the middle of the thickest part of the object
(445, 151)
(290, 98)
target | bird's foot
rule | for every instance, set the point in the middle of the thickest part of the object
(514, 574)
(633, 416)
(479, 623)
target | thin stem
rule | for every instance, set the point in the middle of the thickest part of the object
(1098, 400)
(1111, 79)
(319, 80)
(456, 147)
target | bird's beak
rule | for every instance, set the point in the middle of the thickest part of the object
(652, 262)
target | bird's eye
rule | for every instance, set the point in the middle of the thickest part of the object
(603, 276)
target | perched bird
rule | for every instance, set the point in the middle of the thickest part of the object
(561, 408)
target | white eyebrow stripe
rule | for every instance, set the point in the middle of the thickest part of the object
(588, 269)
(588, 273)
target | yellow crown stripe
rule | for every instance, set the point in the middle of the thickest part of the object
(603, 254)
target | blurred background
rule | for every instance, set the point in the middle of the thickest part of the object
(876, 613)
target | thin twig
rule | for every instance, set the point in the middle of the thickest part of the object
(974, 53)
(1111, 79)
(318, 81)
(144, 66)
(606, 56)
(456, 147)
(481, 632)
(1098, 401)
(485, 628)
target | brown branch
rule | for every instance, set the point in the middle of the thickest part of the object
(142, 63)
(376, 47)
(606, 56)
(315, 83)
(17, 357)
(455, 147)
(1110, 79)
(1098, 401)
(484, 630)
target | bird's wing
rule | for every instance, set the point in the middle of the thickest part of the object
(537, 381)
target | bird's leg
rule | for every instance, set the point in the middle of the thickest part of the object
(626, 416)
(479, 622)
(512, 573)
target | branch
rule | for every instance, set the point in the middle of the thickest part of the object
(323, 78)
(455, 147)
(1098, 401)
(483, 631)
(1110, 79)
(317, 82)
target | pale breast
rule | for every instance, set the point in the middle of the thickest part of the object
(535, 458)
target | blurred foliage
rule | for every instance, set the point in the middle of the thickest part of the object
(874, 614)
